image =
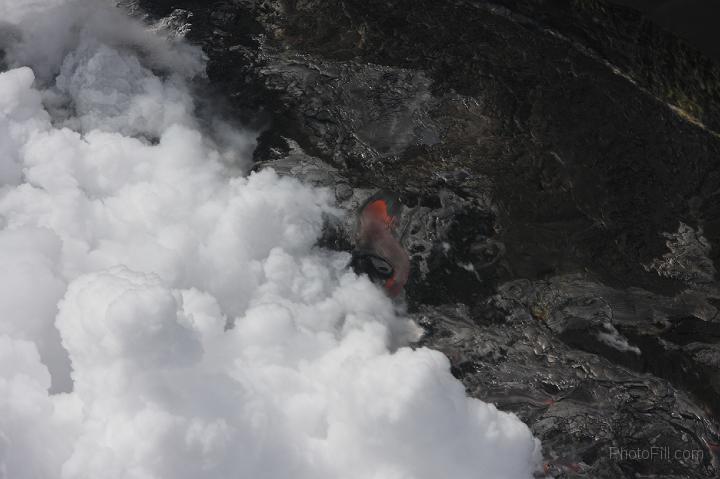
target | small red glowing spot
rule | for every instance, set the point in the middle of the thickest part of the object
(379, 210)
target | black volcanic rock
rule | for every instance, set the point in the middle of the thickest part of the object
(559, 164)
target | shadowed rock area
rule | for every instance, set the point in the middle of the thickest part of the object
(559, 165)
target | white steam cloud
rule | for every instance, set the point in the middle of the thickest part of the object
(127, 248)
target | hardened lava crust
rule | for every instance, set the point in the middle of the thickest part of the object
(558, 161)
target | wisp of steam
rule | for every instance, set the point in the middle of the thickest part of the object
(162, 316)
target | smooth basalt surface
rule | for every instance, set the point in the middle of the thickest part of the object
(559, 161)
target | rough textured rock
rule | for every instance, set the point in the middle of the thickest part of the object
(559, 162)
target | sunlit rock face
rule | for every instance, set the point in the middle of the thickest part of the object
(559, 163)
